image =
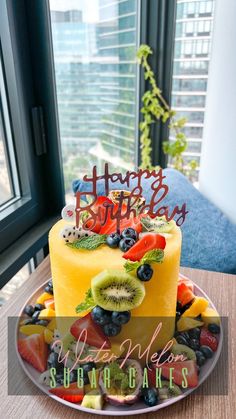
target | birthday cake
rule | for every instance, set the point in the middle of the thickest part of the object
(116, 301)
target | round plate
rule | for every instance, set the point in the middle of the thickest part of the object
(138, 407)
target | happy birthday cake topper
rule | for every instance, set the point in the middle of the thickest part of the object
(126, 205)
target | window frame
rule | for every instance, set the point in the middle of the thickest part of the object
(157, 29)
(26, 221)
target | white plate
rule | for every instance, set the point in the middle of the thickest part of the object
(138, 407)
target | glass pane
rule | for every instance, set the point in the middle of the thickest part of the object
(9, 184)
(190, 71)
(95, 44)
(6, 192)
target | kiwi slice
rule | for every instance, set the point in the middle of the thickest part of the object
(117, 290)
(158, 224)
(178, 349)
(165, 392)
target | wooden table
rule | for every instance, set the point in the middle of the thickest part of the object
(221, 288)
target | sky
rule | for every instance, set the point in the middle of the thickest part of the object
(89, 7)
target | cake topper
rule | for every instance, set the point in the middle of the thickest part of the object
(126, 206)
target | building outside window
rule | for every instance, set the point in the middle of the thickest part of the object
(194, 25)
(96, 78)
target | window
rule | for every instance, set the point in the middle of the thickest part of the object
(96, 83)
(190, 71)
(26, 212)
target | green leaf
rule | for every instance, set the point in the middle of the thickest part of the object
(89, 243)
(87, 303)
(153, 256)
(130, 266)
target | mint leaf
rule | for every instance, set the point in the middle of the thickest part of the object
(89, 243)
(130, 266)
(87, 303)
(153, 256)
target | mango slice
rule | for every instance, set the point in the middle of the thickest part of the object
(186, 323)
(32, 329)
(43, 297)
(52, 325)
(210, 316)
(46, 313)
(199, 305)
(48, 336)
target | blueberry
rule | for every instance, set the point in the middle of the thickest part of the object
(194, 333)
(73, 376)
(214, 328)
(181, 340)
(50, 284)
(120, 317)
(86, 368)
(54, 363)
(48, 289)
(194, 344)
(150, 396)
(126, 244)
(29, 310)
(130, 233)
(60, 379)
(35, 315)
(186, 336)
(39, 307)
(178, 315)
(101, 316)
(113, 240)
(111, 329)
(200, 358)
(42, 322)
(178, 306)
(206, 351)
(145, 272)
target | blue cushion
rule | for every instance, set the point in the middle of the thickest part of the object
(209, 238)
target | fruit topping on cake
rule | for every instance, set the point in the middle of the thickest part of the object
(120, 392)
(117, 290)
(34, 350)
(148, 242)
(94, 336)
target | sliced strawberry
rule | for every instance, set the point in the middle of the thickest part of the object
(149, 241)
(187, 282)
(95, 335)
(34, 350)
(111, 225)
(50, 303)
(72, 394)
(184, 294)
(178, 373)
(99, 209)
(208, 339)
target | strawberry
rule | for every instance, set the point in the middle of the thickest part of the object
(99, 209)
(184, 294)
(187, 282)
(34, 350)
(149, 241)
(71, 394)
(95, 335)
(111, 225)
(208, 339)
(178, 374)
